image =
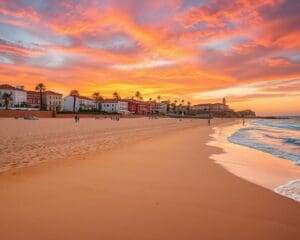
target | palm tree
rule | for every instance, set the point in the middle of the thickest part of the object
(74, 94)
(181, 106)
(168, 105)
(116, 96)
(41, 88)
(138, 95)
(174, 105)
(158, 98)
(188, 106)
(150, 99)
(98, 98)
(7, 97)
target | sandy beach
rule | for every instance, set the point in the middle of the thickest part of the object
(132, 179)
(25, 143)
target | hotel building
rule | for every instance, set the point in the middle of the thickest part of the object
(82, 103)
(138, 107)
(160, 108)
(33, 99)
(210, 107)
(52, 101)
(114, 106)
(19, 95)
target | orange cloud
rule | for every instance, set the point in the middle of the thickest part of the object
(177, 49)
(278, 61)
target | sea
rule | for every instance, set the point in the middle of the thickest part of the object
(278, 137)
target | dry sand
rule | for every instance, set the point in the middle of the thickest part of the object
(25, 143)
(158, 187)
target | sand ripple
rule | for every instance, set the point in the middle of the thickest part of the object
(25, 143)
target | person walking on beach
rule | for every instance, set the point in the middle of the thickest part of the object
(243, 121)
(76, 118)
(208, 122)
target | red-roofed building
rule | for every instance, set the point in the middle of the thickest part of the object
(138, 107)
(33, 99)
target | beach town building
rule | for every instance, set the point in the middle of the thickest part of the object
(210, 107)
(33, 99)
(114, 106)
(52, 101)
(138, 107)
(19, 95)
(86, 103)
(157, 107)
(246, 113)
(82, 103)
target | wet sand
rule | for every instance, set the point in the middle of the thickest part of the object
(253, 165)
(162, 187)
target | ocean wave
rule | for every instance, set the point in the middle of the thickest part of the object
(292, 141)
(280, 124)
(291, 190)
(259, 135)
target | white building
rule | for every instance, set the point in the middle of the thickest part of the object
(19, 96)
(52, 101)
(114, 106)
(160, 108)
(83, 103)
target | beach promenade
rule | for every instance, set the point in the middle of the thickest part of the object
(153, 180)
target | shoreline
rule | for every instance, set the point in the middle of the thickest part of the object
(255, 166)
(162, 187)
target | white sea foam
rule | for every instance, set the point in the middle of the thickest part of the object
(266, 167)
(290, 190)
(280, 138)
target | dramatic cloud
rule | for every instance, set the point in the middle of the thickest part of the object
(201, 50)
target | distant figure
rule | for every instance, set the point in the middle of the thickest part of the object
(78, 118)
(208, 122)
(243, 121)
(115, 117)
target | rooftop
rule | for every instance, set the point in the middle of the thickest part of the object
(52, 93)
(32, 92)
(85, 98)
(9, 87)
(112, 100)
(209, 104)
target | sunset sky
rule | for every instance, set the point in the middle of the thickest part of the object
(198, 50)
